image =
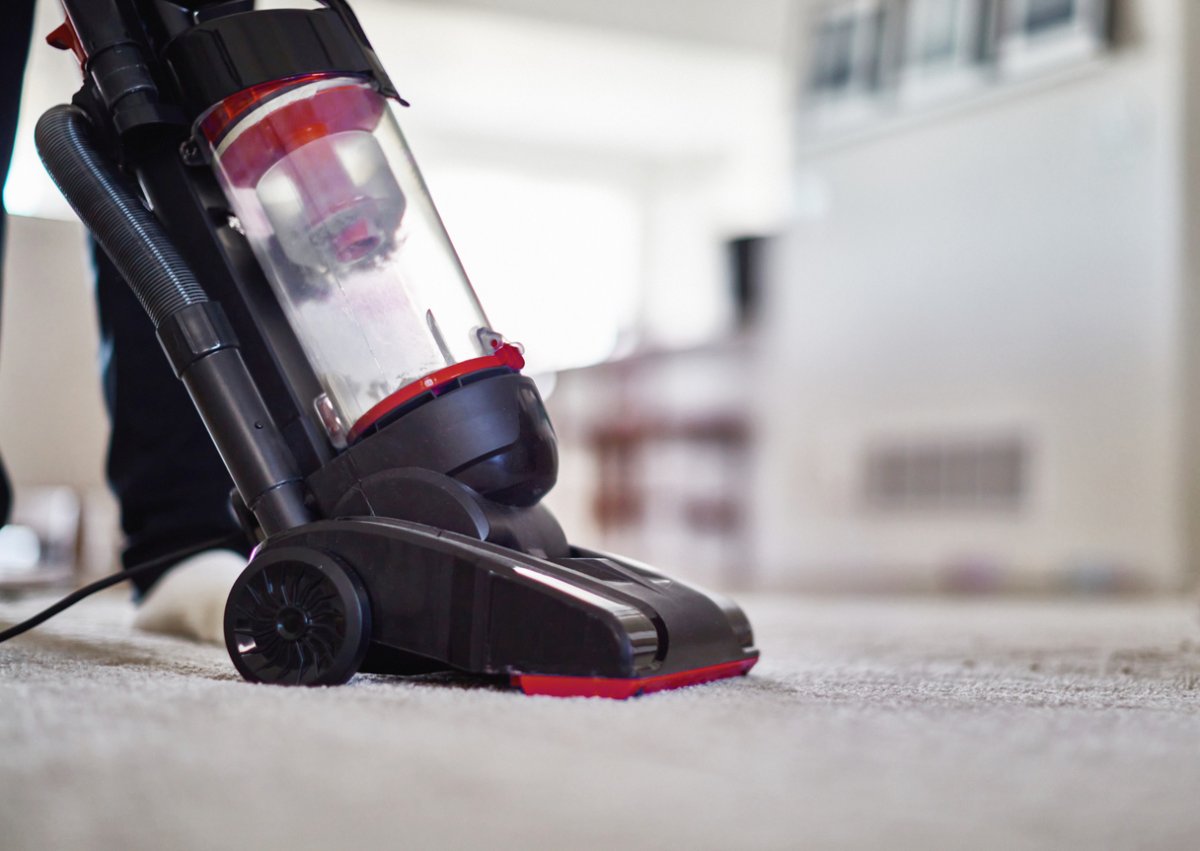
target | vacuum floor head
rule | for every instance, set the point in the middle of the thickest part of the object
(421, 599)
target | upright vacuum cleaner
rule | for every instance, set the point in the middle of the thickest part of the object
(245, 172)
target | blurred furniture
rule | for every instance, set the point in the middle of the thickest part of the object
(670, 443)
(40, 545)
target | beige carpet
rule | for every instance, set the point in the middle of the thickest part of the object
(901, 724)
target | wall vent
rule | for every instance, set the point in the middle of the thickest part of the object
(949, 473)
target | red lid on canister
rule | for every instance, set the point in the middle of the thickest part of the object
(278, 132)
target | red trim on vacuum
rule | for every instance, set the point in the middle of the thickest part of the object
(64, 37)
(275, 134)
(225, 114)
(618, 689)
(507, 355)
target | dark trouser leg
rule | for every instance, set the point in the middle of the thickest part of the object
(14, 47)
(171, 484)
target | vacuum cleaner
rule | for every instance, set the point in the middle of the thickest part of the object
(246, 173)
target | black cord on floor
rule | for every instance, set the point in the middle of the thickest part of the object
(66, 602)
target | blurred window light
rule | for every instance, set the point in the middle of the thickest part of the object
(1047, 14)
(848, 48)
(1040, 34)
(938, 35)
(835, 53)
(947, 33)
(948, 46)
(30, 192)
(556, 263)
(869, 56)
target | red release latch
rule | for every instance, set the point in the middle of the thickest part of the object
(65, 38)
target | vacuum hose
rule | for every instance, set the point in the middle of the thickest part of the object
(129, 233)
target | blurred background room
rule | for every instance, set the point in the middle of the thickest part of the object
(825, 295)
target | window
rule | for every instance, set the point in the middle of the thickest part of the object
(871, 55)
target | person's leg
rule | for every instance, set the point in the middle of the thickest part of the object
(172, 487)
(171, 484)
(14, 49)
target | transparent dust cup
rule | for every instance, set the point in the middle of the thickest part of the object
(334, 207)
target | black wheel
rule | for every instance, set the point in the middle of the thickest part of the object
(297, 617)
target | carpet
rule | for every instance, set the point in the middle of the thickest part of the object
(868, 724)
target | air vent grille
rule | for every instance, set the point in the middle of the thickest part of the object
(980, 473)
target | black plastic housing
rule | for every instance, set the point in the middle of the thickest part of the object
(493, 435)
(226, 55)
(120, 68)
(439, 599)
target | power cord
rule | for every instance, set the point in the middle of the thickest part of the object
(66, 602)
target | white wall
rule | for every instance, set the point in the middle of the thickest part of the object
(1012, 265)
(53, 428)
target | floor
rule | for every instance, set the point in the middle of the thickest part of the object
(868, 724)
